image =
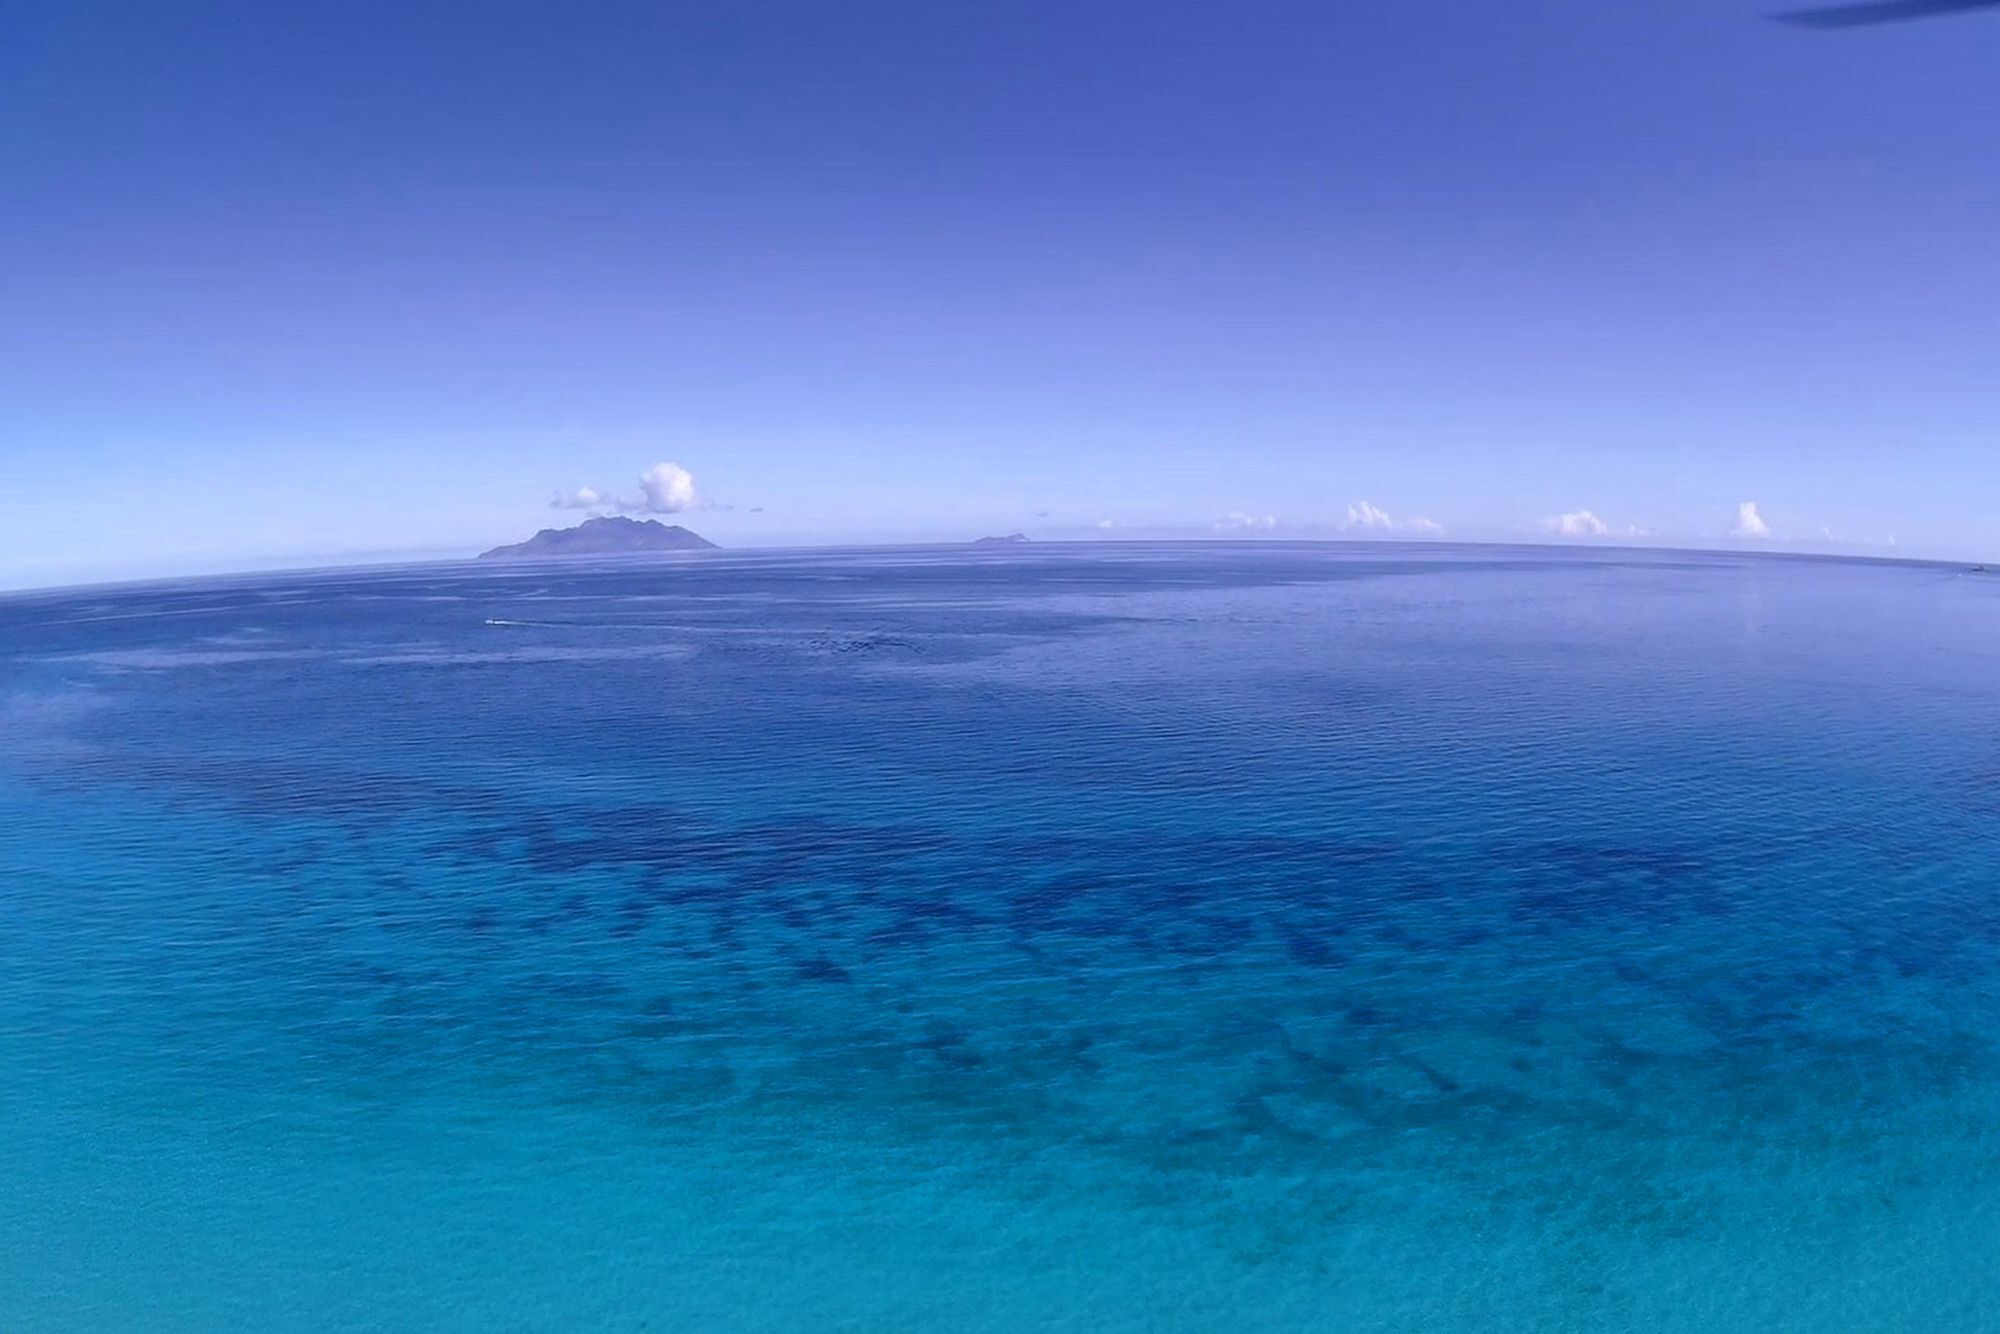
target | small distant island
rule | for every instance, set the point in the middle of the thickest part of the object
(1011, 539)
(605, 537)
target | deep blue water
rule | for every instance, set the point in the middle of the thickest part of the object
(1093, 938)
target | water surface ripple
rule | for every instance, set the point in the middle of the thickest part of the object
(1191, 937)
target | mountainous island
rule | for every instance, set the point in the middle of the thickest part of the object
(605, 537)
(1010, 540)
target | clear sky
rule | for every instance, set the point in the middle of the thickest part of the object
(302, 281)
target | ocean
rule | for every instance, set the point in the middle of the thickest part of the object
(1252, 936)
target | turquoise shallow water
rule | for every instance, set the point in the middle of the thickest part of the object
(1097, 938)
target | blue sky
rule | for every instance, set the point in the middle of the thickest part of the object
(315, 281)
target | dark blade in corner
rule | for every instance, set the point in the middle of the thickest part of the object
(1883, 11)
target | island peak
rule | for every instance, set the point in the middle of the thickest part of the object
(605, 537)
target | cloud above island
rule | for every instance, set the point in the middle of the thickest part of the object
(664, 488)
(668, 488)
(583, 498)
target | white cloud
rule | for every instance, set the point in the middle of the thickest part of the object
(1367, 518)
(667, 488)
(1842, 539)
(1107, 523)
(1238, 521)
(1580, 524)
(583, 498)
(1749, 523)
(1362, 517)
(664, 488)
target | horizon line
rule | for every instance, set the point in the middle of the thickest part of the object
(666, 557)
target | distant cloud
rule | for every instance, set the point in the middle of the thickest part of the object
(1580, 524)
(664, 488)
(1367, 518)
(1107, 523)
(1842, 539)
(1749, 523)
(583, 498)
(1238, 521)
(1363, 517)
(668, 488)
(1041, 514)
